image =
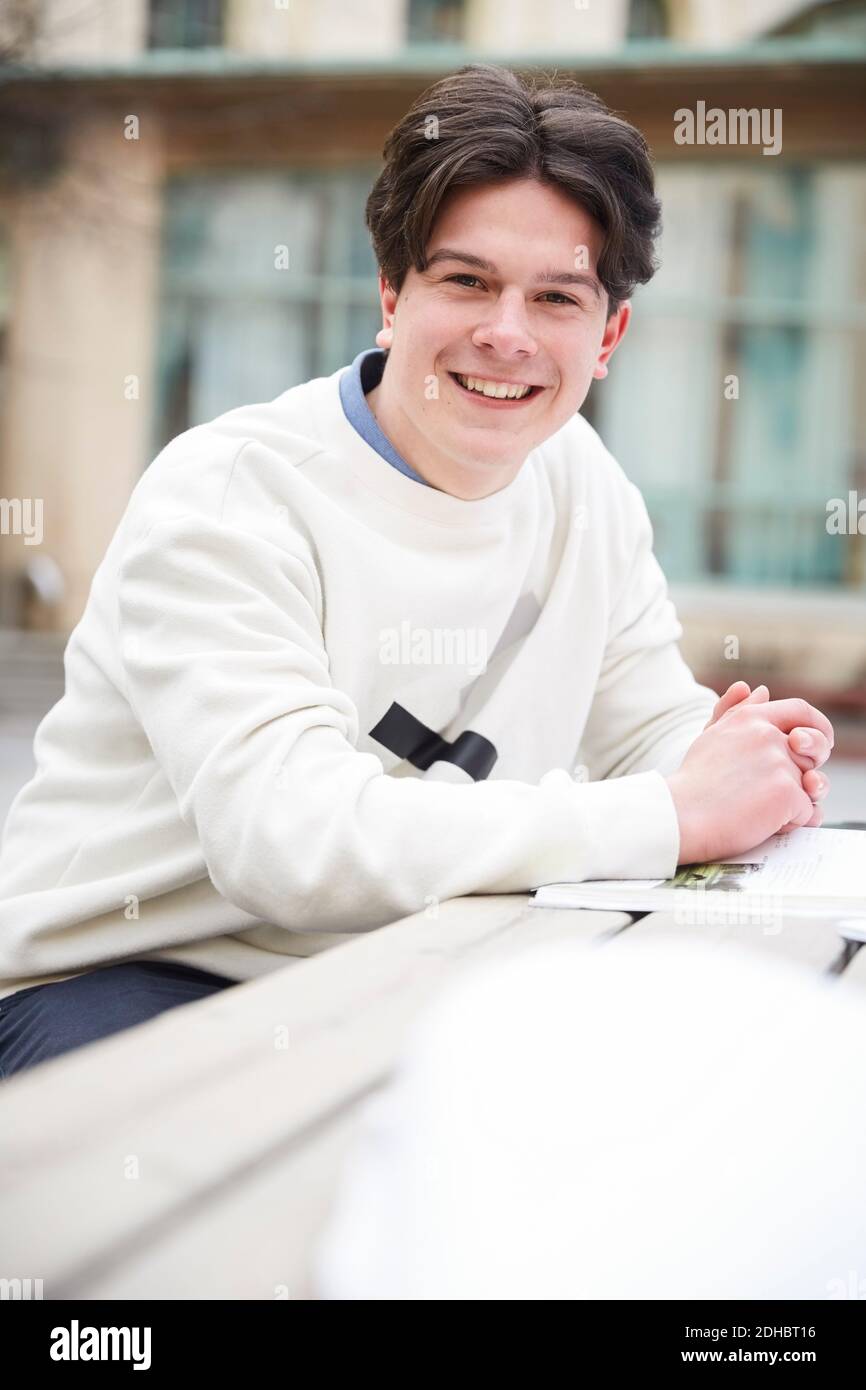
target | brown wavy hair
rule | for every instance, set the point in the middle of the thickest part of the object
(492, 123)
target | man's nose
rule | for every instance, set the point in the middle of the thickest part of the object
(506, 328)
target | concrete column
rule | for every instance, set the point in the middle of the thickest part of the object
(69, 31)
(84, 257)
(546, 26)
(316, 28)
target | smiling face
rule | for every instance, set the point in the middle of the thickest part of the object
(509, 296)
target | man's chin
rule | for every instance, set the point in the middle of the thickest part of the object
(488, 447)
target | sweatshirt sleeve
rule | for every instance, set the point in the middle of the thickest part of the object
(228, 674)
(648, 708)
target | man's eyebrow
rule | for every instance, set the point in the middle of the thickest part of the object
(547, 277)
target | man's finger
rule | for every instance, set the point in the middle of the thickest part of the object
(815, 785)
(760, 695)
(808, 748)
(732, 696)
(815, 820)
(788, 715)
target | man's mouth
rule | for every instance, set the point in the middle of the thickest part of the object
(488, 391)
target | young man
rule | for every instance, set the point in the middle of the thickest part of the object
(398, 635)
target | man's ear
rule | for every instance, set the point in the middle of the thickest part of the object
(388, 300)
(614, 331)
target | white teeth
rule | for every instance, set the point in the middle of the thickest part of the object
(499, 389)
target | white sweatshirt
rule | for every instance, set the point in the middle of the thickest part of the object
(309, 696)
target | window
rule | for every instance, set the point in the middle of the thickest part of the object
(185, 24)
(436, 21)
(824, 19)
(267, 280)
(733, 401)
(647, 19)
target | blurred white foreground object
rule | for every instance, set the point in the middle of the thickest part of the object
(639, 1120)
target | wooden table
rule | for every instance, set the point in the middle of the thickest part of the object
(196, 1156)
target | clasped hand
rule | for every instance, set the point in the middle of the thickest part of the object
(750, 774)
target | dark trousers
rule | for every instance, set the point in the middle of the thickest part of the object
(43, 1021)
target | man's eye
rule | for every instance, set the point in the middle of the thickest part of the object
(550, 294)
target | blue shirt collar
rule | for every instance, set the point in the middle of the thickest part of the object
(365, 373)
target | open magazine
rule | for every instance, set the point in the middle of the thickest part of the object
(800, 873)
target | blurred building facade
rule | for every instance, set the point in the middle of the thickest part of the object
(181, 230)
